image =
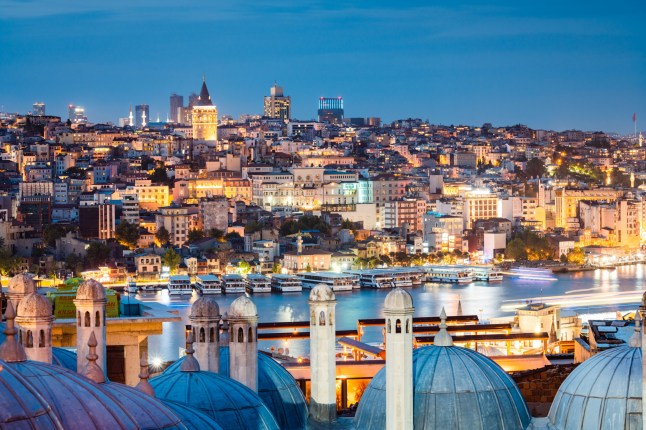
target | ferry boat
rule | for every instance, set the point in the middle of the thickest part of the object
(257, 283)
(336, 281)
(179, 285)
(455, 275)
(286, 283)
(233, 283)
(488, 274)
(208, 284)
(389, 278)
(131, 286)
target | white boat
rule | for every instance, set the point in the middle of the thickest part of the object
(286, 283)
(257, 283)
(488, 274)
(131, 286)
(336, 281)
(208, 284)
(455, 275)
(179, 285)
(389, 277)
(233, 283)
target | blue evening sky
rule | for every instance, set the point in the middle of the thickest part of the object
(548, 64)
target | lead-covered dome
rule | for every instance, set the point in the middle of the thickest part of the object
(34, 305)
(21, 284)
(603, 392)
(205, 307)
(322, 293)
(398, 299)
(192, 418)
(242, 307)
(454, 388)
(90, 290)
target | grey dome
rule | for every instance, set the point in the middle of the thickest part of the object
(21, 284)
(322, 293)
(242, 307)
(90, 290)
(232, 405)
(398, 300)
(22, 406)
(277, 388)
(205, 307)
(64, 358)
(454, 388)
(603, 392)
(34, 305)
(192, 418)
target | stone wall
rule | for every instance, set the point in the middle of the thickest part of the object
(539, 386)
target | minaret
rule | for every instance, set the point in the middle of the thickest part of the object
(35, 321)
(224, 330)
(243, 348)
(398, 310)
(205, 320)
(642, 312)
(143, 118)
(10, 350)
(322, 354)
(131, 119)
(459, 313)
(90, 305)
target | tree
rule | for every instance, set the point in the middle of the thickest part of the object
(10, 264)
(51, 232)
(244, 267)
(162, 236)
(159, 176)
(97, 254)
(127, 234)
(194, 235)
(515, 250)
(233, 235)
(276, 268)
(171, 259)
(74, 263)
(308, 268)
(216, 233)
(576, 256)
(535, 168)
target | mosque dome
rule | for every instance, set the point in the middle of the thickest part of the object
(21, 284)
(192, 418)
(64, 358)
(232, 405)
(205, 307)
(321, 293)
(603, 392)
(277, 388)
(454, 388)
(90, 290)
(242, 307)
(34, 305)
(398, 299)
(22, 406)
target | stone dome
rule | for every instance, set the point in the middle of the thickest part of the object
(229, 403)
(242, 307)
(22, 406)
(34, 305)
(205, 307)
(192, 418)
(603, 392)
(21, 284)
(398, 300)
(277, 388)
(322, 293)
(454, 388)
(90, 290)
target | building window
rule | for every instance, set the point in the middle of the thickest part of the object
(240, 335)
(87, 318)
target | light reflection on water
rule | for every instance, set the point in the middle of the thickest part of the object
(585, 292)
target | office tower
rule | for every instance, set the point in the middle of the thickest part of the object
(176, 102)
(76, 114)
(39, 108)
(192, 99)
(331, 110)
(205, 116)
(142, 115)
(277, 105)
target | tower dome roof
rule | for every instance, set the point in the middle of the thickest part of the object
(242, 307)
(22, 405)
(34, 305)
(205, 307)
(90, 290)
(232, 405)
(603, 392)
(21, 284)
(277, 388)
(398, 300)
(445, 379)
(322, 293)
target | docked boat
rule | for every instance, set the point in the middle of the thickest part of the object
(233, 283)
(208, 284)
(286, 283)
(257, 283)
(450, 274)
(487, 274)
(389, 277)
(179, 285)
(336, 281)
(131, 286)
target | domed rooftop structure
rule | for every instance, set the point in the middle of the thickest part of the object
(242, 307)
(21, 285)
(322, 293)
(22, 406)
(192, 418)
(454, 388)
(277, 388)
(90, 290)
(398, 299)
(603, 392)
(35, 305)
(205, 307)
(60, 356)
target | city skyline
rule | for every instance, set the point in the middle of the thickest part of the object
(551, 67)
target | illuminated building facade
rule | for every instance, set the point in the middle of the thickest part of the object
(277, 105)
(331, 110)
(204, 117)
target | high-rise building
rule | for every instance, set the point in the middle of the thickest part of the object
(142, 115)
(192, 99)
(331, 110)
(205, 116)
(277, 105)
(76, 114)
(176, 102)
(39, 108)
